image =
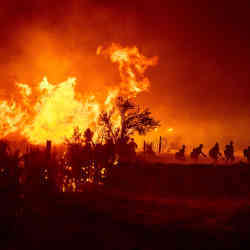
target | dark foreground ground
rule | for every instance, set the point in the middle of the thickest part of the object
(132, 213)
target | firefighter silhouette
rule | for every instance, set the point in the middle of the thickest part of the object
(246, 153)
(229, 152)
(132, 149)
(214, 152)
(197, 152)
(180, 155)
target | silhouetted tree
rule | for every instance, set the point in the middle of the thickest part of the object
(133, 119)
(76, 139)
(88, 135)
(80, 155)
(74, 156)
(9, 159)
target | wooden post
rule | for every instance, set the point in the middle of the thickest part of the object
(48, 162)
(160, 145)
(48, 150)
(144, 149)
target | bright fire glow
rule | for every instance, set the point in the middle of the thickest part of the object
(52, 111)
(132, 66)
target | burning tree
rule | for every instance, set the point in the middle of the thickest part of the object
(133, 119)
(91, 160)
(9, 160)
(86, 160)
(78, 151)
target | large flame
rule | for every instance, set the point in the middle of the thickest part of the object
(132, 66)
(55, 110)
(58, 112)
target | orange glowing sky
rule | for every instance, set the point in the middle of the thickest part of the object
(200, 86)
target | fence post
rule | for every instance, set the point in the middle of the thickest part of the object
(160, 145)
(49, 175)
(48, 150)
